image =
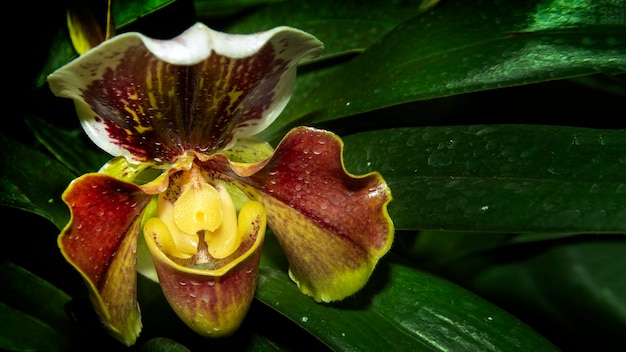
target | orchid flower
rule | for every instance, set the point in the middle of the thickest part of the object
(191, 182)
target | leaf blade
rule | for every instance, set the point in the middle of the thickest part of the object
(32, 311)
(498, 178)
(413, 310)
(445, 52)
(36, 189)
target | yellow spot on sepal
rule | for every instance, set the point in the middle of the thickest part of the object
(139, 128)
(233, 97)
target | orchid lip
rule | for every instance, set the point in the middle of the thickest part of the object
(221, 290)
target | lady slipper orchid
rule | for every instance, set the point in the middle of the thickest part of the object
(191, 182)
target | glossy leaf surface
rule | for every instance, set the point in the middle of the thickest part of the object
(23, 309)
(499, 178)
(448, 52)
(592, 267)
(69, 147)
(23, 188)
(411, 309)
(347, 27)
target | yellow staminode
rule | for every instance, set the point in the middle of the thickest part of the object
(225, 239)
(176, 246)
(200, 209)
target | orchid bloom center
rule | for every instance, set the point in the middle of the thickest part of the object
(199, 208)
(201, 219)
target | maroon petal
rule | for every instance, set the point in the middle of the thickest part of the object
(333, 226)
(100, 242)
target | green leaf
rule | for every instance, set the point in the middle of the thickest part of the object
(69, 147)
(128, 12)
(573, 290)
(32, 181)
(61, 51)
(468, 46)
(207, 10)
(401, 309)
(344, 26)
(498, 178)
(32, 312)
